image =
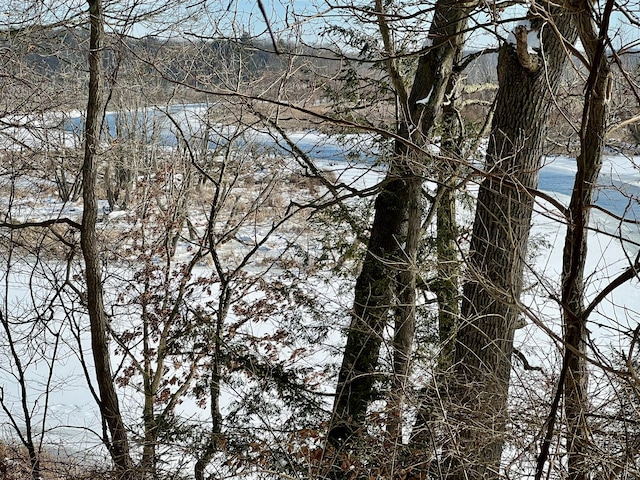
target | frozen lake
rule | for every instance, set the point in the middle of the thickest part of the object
(618, 190)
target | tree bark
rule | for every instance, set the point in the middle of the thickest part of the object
(389, 265)
(109, 404)
(589, 162)
(499, 241)
(446, 283)
(448, 269)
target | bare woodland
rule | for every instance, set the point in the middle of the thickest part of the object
(302, 240)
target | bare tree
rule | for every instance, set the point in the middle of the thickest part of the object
(499, 241)
(390, 265)
(574, 375)
(109, 403)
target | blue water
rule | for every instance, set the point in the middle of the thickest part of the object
(152, 122)
(621, 199)
(156, 125)
(615, 196)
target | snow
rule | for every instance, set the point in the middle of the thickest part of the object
(71, 412)
(511, 39)
(425, 100)
(533, 37)
(73, 418)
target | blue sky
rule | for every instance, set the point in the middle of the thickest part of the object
(313, 16)
(289, 19)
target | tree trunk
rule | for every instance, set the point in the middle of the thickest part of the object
(448, 269)
(498, 247)
(215, 441)
(148, 460)
(589, 162)
(392, 249)
(446, 283)
(405, 312)
(109, 405)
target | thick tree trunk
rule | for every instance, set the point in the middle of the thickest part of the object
(589, 162)
(109, 406)
(392, 249)
(498, 247)
(373, 298)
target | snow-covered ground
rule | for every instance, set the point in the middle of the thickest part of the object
(72, 421)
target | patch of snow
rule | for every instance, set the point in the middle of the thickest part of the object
(607, 256)
(425, 100)
(533, 41)
(434, 148)
(511, 39)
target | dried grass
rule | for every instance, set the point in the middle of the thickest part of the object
(15, 465)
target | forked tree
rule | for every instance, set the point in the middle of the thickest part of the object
(528, 82)
(387, 281)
